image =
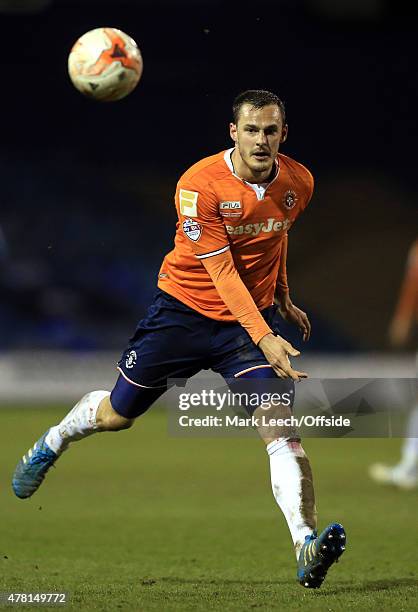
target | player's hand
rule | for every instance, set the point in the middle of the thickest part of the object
(293, 314)
(277, 350)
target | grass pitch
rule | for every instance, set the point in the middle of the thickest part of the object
(138, 520)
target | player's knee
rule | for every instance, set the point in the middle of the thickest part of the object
(117, 422)
(107, 419)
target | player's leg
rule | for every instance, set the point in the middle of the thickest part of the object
(290, 470)
(409, 460)
(245, 369)
(291, 477)
(165, 345)
(92, 414)
(292, 486)
(405, 473)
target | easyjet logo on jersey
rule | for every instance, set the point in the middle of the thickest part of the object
(254, 229)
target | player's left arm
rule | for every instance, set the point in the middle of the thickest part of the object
(289, 311)
(407, 306)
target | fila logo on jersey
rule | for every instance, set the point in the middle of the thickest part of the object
(254, 229)
(188, 203)
(192, 229)
(290, 199)
(230, 209)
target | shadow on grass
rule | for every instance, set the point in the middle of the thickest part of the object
(370, 586)
(219, 581)
(362, 588)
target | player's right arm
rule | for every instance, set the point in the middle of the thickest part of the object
(204, 229)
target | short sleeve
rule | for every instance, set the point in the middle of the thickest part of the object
(200, 221)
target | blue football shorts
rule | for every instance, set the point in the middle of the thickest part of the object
(173, 341)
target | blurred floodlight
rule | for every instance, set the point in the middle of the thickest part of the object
(23, 6)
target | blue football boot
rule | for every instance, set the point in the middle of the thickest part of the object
(318, 554)
(32, 468)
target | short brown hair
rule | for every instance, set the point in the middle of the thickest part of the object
(258, 98)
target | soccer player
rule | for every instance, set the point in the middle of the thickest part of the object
(405, 473)
(214, 309)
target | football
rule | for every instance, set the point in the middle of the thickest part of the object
(105, 64)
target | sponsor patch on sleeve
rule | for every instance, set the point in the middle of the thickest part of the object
(192, 229)
(188, 203)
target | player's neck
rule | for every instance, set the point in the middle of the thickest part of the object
(246, 174)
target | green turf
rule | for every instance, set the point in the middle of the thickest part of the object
(138, 520)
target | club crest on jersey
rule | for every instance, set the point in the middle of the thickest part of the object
(130, 360)
(290, 199)
(192, 229)
(230, 209)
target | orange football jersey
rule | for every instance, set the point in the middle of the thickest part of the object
(218, 211)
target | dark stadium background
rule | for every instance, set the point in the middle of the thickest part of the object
(86, 188)
(149, 519)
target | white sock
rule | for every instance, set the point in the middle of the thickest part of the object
(409, 461)
(79, 423)
(291, 481)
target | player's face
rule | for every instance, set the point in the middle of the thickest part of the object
(257, 135)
